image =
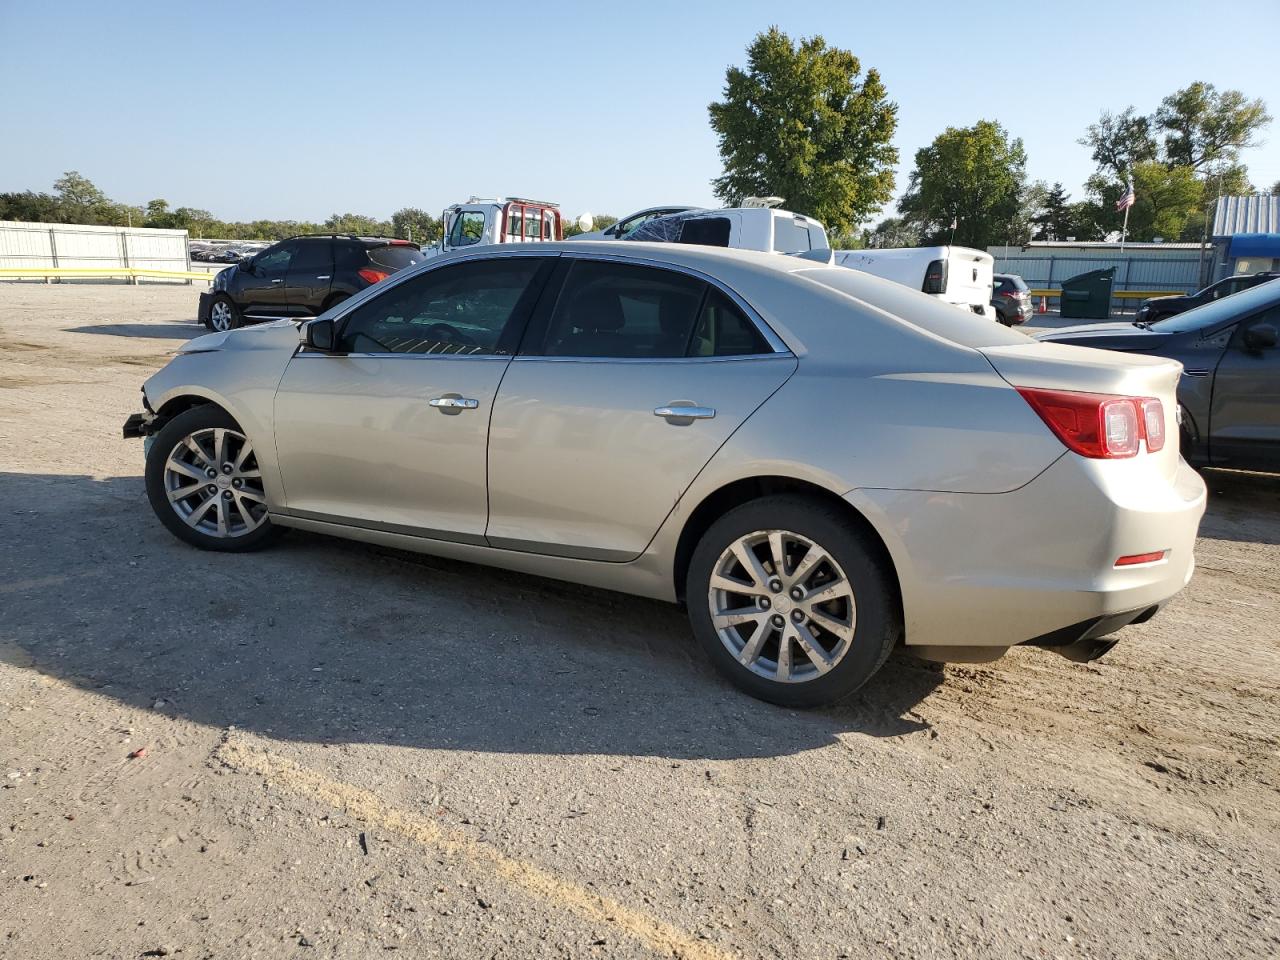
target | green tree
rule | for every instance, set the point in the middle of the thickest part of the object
(1057, 217)
(798, 124)
(890, 232)
(1119, 140)
(78, 191)
(967, 187)
(410, 223)
(358, 224)
(1203, 127)
(599, 221)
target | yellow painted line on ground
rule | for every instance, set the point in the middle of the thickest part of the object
(661, 937)
(34, 272)
(1119, 294)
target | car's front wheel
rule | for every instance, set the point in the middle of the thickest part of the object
(204, 482)
(792, 601)
(224, 314)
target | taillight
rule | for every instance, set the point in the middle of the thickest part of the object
(1099, 425)
(935, 277)
(370, 275)
(1153, 423)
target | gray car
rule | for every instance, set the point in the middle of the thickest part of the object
(819, 463)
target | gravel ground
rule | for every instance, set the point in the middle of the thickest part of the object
(332, 750)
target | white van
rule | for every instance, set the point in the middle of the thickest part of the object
(958, 275)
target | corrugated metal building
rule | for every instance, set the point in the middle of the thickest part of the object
(1044, 264)
(75, 245)
(1246, 235)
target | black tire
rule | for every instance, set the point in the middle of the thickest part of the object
(204, 417)
(878, 622)
(237, 318)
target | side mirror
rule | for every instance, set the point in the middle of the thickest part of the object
(1261, 336)
(319, 335)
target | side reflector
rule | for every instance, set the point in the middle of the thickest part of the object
(1133, 559)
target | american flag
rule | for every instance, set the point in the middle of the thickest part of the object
(1125, 202)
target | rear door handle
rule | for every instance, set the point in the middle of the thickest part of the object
(685, 413)
(277, 281)
(454, 403)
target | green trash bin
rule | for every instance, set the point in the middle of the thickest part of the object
(1087, 296)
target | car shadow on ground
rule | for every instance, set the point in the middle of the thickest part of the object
(1243, 507)
(328, 641)
(152, 331)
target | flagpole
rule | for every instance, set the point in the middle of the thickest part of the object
(1124, 231)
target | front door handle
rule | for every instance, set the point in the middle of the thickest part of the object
(324, 277)
(679, 412)
(277, 281)
(454, 403)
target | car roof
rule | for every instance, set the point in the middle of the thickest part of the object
(368, 241)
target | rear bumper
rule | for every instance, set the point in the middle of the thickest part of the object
(206, 302)
(1037, 564)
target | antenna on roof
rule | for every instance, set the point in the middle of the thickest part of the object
(767, 202)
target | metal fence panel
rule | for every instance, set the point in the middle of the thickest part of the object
(78, 246)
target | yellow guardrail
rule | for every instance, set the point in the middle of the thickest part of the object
(1118, 294)
(36, 273)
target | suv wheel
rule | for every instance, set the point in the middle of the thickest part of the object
(791, 601)
(223, 314)
(204, 483)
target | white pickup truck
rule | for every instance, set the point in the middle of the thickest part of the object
(960, 276)
(757, 225)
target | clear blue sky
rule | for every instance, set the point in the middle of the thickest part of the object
(300, 110)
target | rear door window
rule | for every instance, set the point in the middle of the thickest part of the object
(623, 311)
(724, 330)
(313, 256)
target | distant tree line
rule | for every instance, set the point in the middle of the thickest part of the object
(76, 199)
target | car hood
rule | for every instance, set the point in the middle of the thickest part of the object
(276, 335)
(1106, 336)
(1167, 299)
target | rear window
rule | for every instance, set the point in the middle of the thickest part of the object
(709, 231)
(396, 256)
(957, 324)
(791, 236)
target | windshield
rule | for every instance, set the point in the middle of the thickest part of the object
(1223, 310)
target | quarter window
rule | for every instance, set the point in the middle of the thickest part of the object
(462, 309)
(624, 311)
(790, 236)
(708, 231)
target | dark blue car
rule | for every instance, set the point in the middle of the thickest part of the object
(1229, 394)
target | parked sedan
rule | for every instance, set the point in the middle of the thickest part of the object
(1229, 394)
(819, 463)
(1157, 308)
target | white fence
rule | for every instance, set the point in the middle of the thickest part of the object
(41, 247)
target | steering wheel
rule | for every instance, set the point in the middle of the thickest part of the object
(449, 334)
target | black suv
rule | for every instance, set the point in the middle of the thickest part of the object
(301, 278)
(1157, 308)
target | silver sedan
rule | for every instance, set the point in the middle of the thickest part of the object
(820, 464)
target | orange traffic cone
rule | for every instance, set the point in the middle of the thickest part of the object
(1044, 304)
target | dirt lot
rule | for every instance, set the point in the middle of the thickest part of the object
(350, 751)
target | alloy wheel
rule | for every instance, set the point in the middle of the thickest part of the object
(213, 483)
(220, 316)
(782, 606)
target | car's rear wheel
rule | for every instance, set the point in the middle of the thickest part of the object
(791, 601)
(224, 314)
(204, 482)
